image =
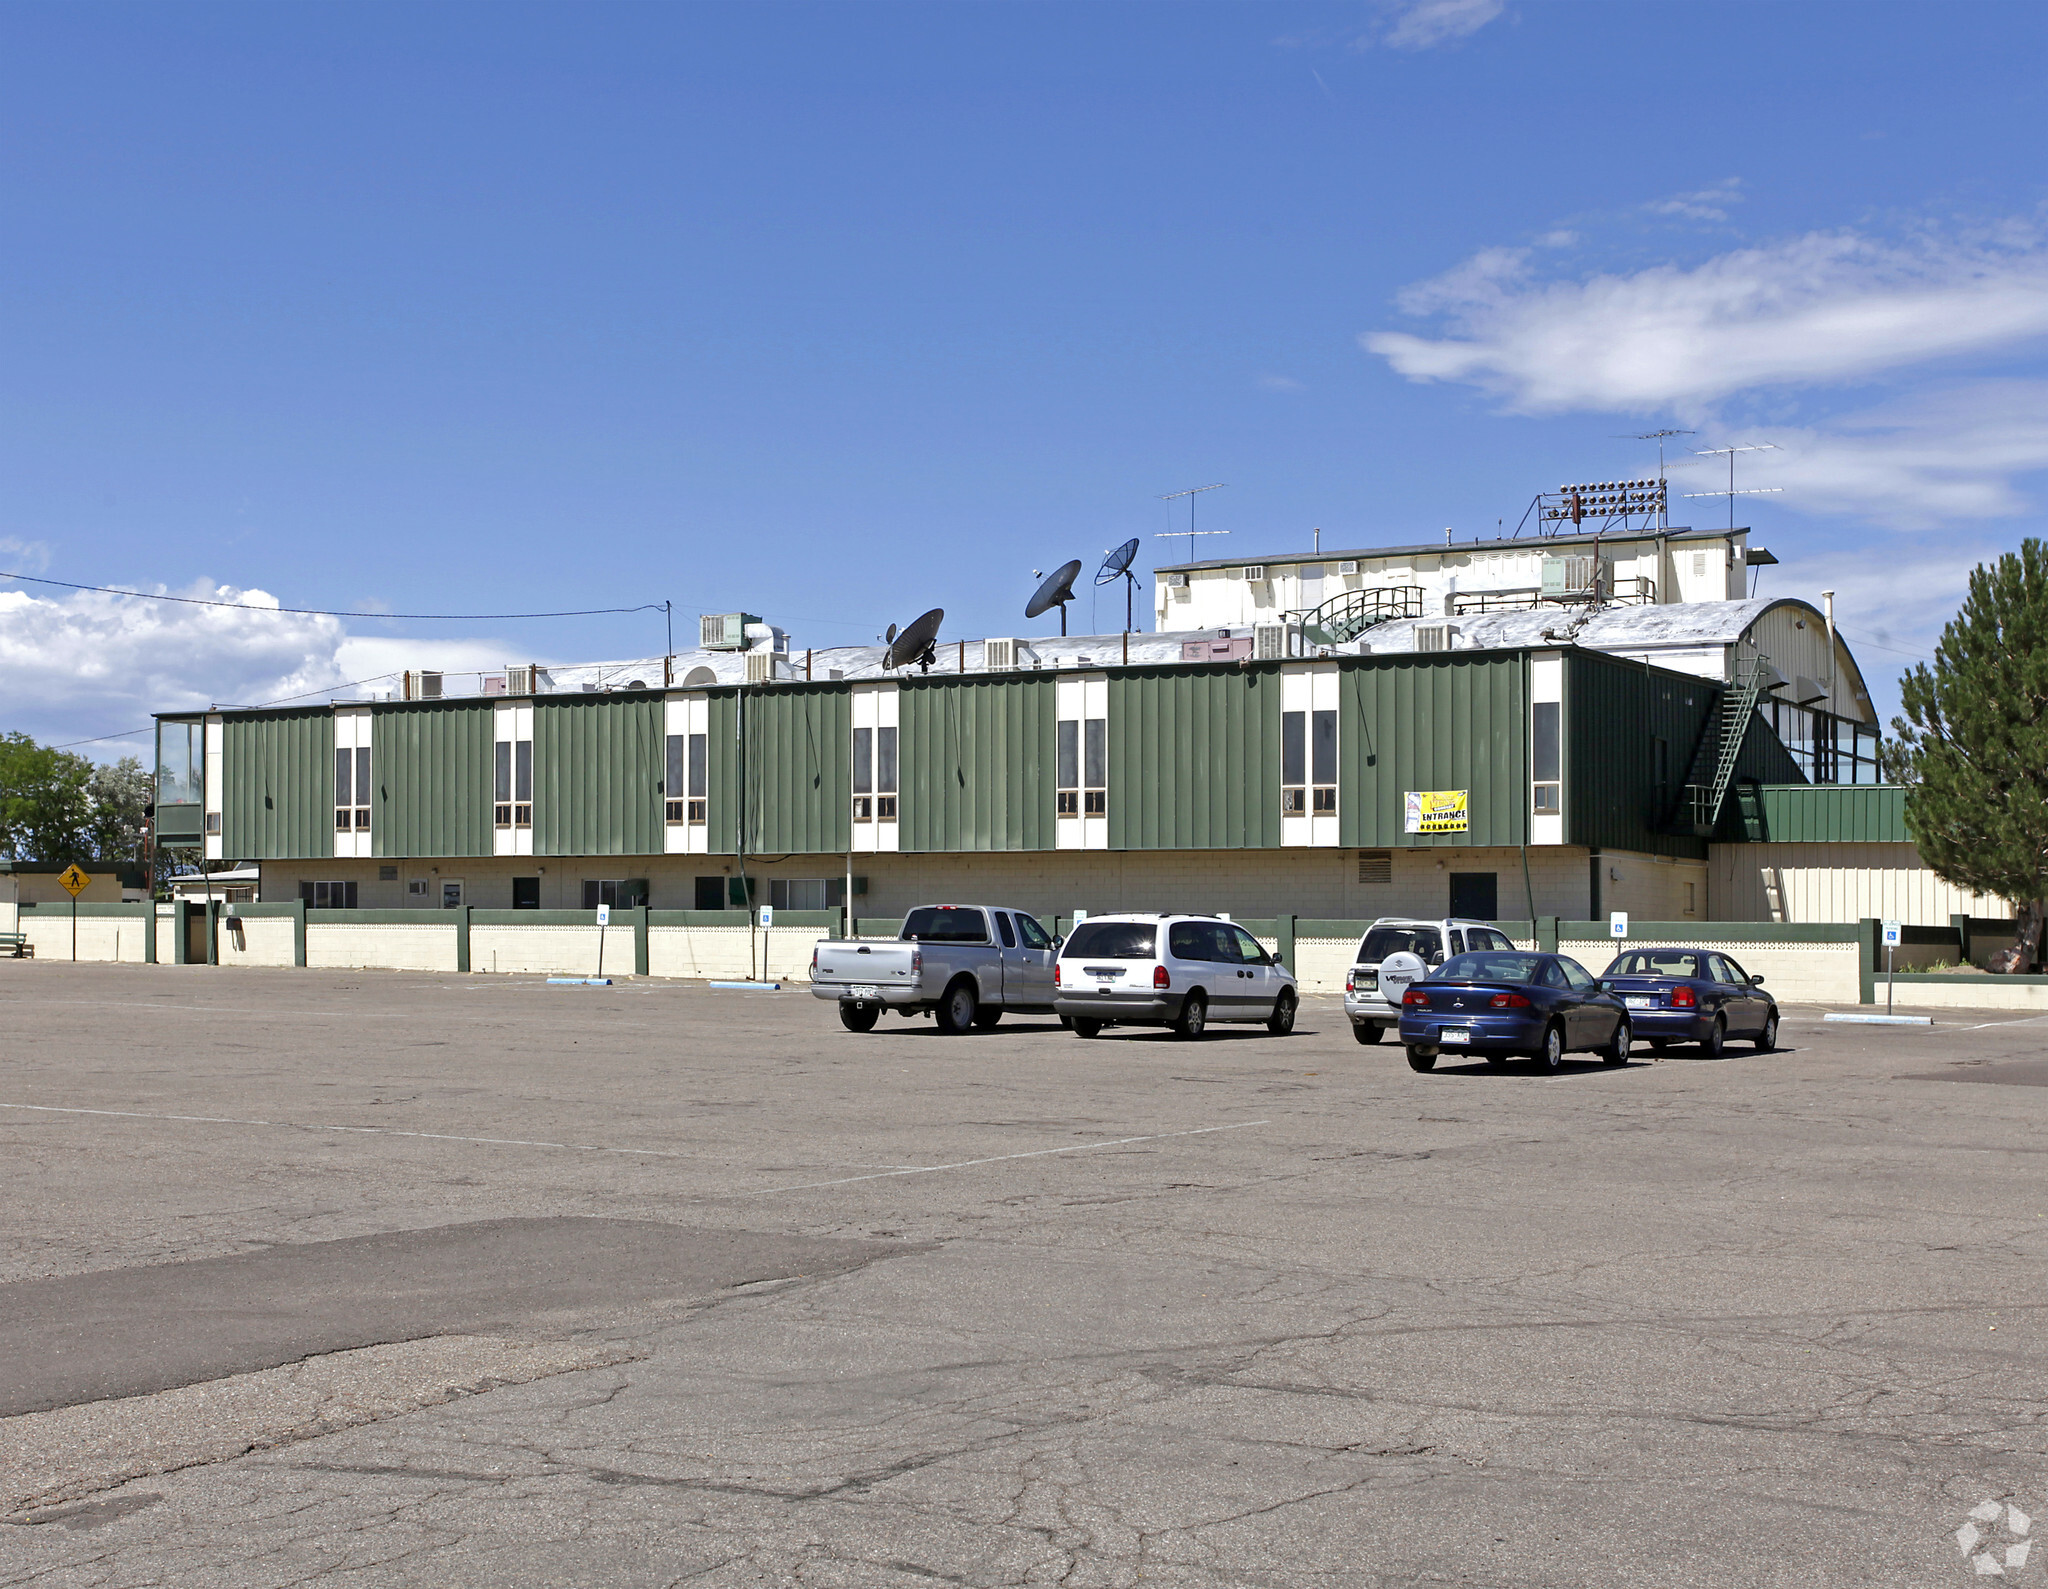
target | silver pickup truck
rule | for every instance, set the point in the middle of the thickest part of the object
(964, 964)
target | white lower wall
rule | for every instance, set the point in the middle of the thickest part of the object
(102, 938)
(256, 941)
(396, 947)
(1837, 883)
(1824, 973)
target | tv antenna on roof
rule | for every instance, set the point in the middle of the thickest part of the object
(915, 642)
(1057, 591)
(1659, 437)
(1117, 565)
(1731, 493)
(1191, 532)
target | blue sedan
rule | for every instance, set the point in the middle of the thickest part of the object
(1505, 1002)
(1692, 996)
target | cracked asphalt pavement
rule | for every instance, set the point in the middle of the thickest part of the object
(380, 1279)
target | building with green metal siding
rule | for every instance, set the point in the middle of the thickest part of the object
(1088, 772)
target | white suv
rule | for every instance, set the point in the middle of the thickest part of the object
(1397, 951)
(1177, 971)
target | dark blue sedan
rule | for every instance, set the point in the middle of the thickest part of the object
(1506, 1002)
(1692, 996)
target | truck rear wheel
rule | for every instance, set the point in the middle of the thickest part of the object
(858, 1017)
(987, 1016)
(957, 1008)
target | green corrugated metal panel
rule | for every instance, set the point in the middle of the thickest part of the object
(435, 777)
(800, 769)
(277, 785)
(721, 729)
(1835, 814)
(597, 771)
(1194, 759)
(1614, 713)
(1452, 721)
(975, 764)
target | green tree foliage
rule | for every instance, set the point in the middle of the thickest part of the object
(55, 806)
(1974, 738)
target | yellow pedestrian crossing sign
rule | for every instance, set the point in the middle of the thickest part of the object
(75, 882)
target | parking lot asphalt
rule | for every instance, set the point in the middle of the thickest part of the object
(376, 1279)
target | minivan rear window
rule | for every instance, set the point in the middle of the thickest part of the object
(1111, 940)
(945, 924)
(1380, 942)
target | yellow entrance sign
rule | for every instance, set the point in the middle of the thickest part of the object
(1438, 811)
(75, 882)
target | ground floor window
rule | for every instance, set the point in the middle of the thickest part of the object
(329, 896)
(1475, 895)
(620, 893)
(806, 893)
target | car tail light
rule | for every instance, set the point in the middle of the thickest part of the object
(1351, 982)
(814, 962)
(1415, 999)
(916, 961)
(1510, 1001)
(1160, 979)
(1055, 973)
(1683, 998)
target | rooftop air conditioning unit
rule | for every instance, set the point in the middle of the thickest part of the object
(1576, 576)
(1269, 642)
(1347, 568)
(998, 655)
(1176, 582)
(494, 683)
(724, 631)
(423, 686)
(1434, 636)
(519, 681)
(760, 667)
(1255, 573)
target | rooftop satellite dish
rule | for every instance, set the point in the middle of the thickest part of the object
(914, 643)
(889, 639)
(1057, 591)
(1116, 566)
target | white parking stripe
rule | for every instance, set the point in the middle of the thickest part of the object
(655, 1153)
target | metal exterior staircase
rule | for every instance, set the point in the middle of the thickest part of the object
(1720, 747)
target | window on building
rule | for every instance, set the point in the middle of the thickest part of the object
(806, 893)
(710, 893)
(1293, 764)
(1322, 743)
(1546, 756)
(684, 779)
(620, 893)
(863, 775)
(329, 896)
(352, 790)
(1083, 767)
(213, 824)
(514, 803)
(885, 775)
(180, 763)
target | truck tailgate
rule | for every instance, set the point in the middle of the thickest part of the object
(883, 963)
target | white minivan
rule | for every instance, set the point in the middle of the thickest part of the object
(1175, 971)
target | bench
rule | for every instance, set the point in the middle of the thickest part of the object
(17, 944)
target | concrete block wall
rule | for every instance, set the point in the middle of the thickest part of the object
(393, 946)
(103, 938)
(1825, 973)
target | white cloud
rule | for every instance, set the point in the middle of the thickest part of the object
(1280, 383)
(1403, 25)
(84, 664)
(1705, 204)
(1423, 24)
(1934, 459)
(24, 557)
(1825, 308)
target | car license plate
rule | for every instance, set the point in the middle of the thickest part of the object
(862, 990)
(1641, 1001)
(1454, 1034)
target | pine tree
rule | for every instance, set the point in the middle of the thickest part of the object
(1975, 736)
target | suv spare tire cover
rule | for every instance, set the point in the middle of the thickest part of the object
(1397, 973)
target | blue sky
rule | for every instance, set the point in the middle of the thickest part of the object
(836, 313)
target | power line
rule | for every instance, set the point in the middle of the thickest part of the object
(329, 612)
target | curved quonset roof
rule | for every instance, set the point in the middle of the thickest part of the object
(1676, 628)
